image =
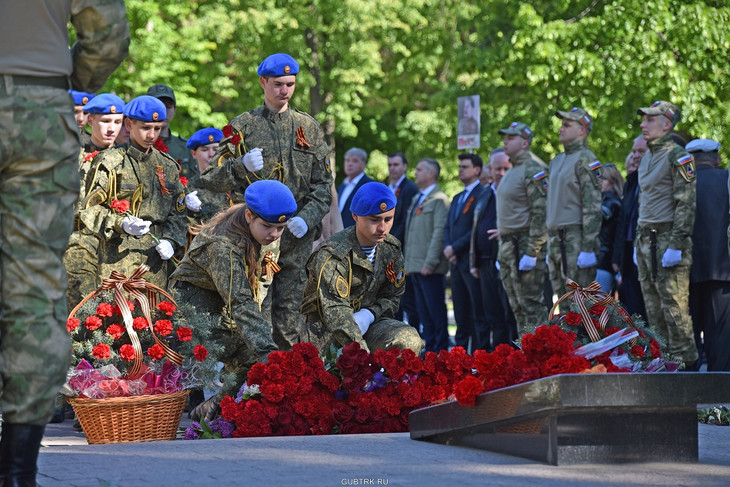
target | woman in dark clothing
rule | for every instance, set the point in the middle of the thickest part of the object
(612, 190)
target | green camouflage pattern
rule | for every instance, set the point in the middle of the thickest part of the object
(178, 150)
(573, 247)
(211, 202)
(304, 167)
(215, 267)
(667, 298)
(126, 174)
(86, 162)
(524, 288)
(39, 147)
(342, 281)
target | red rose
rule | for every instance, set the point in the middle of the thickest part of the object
(101, 351)
(127, 352)
(166, 307)
(163, 327)
(92, 323)
(200, 353)
(467, 390)
(184, 334)
(115, 331)
(104, 309)
(120, 206)
(72, 324)
(183, 180)
(573, 319)
(140, 323)
(156, 351)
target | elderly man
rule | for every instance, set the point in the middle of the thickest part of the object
(355, 161)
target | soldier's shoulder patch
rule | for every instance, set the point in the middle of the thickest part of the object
(686, 165)
(595, 166)
(327, 164)
(400, 277)
(541, 177)
(342, 287)
(180, 203)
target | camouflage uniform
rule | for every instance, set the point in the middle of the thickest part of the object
(521, 201)
(299, 162)
(178, 150)
(39, 147)
(86, 162)
(573, 214)
(341, 281)
(131, 175)
(666, 215)
(213, 277)
(212, 202)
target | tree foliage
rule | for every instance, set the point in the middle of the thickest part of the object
(385, 75)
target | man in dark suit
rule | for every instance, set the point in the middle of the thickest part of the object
(500, 321)
(465, 291)
(404, 190)
(629, 290)
(355, 161)
(709, 276)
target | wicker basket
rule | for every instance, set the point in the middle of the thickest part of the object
(130, 419)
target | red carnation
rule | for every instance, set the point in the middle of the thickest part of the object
(184, 334)
(166, 307)
(656, 349)
(118, 311)
(92, 322)
(597, 309)
(156, 351)
(183, 180)
(127, 352)
(227, 131)
(160, 145)
(573, 319)
(90, 156)
(120, 206)
(200, 353)
(72, 324)
(101, 351)
(140, 323)
(104, 309)
(467, 390)
(638, 351)
(115, 331)
(236, 139)
(163, 327)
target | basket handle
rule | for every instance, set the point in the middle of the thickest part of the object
(579, 294)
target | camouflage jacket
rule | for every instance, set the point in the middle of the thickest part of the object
(574, 193)
(86, 162)
(149, 182)
(178, 150)
(217, 263)
(668, 186)
(294, 153)
(341, 281)
(521, 202)
(211, 202)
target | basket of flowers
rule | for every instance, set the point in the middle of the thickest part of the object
(135, 357)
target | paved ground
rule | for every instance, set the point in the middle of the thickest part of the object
(384, 459)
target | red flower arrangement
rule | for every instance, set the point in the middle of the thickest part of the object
(114, 355)
(160, 145)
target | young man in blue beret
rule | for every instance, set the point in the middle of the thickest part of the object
(81, 98)
(131, 192)
(202, 146)
(356, 279)
(275, 141)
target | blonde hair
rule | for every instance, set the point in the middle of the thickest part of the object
(613, 176)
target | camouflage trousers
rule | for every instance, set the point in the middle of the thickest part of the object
(39, 186)
(524, 288)
(383, 334)
(667, 297)
(572, 238)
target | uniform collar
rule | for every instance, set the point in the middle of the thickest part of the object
(576, 146)
(660, 143)
(272, 116)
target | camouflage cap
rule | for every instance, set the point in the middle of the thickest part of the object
(161, 91)
(579, 115)
(669, 110)
(518, 128)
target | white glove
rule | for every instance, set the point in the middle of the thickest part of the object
(364, 319)
(253, 160)
(671, 258)
(586, 259)
(135, 226)
(164, 248)
(496, 264)
(527, 263)
(636, 262)
(192, 201)
(297, 226)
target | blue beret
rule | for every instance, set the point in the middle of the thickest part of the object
(146, 108)
(271, 200)
(81, 97)
(278, 64)
(371, 199)
(204, 137)
(105, 103)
